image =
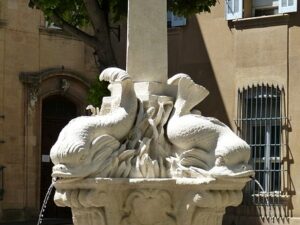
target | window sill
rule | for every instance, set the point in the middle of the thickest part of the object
(260, 21)
(270, 196)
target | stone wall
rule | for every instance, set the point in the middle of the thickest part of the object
(227, 55)
(26, 45)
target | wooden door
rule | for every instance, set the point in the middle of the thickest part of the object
(57, 111)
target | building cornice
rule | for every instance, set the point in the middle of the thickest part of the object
(261, 21)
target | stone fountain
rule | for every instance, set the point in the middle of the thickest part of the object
(147, 157)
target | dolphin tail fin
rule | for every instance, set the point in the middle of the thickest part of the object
(188, 91)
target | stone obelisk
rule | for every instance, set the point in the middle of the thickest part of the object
(147, 53)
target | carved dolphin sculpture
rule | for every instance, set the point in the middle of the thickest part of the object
(85, 142)
(215, 144)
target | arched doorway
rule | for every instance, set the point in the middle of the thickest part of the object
(57, 111)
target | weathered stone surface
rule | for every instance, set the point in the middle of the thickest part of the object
(147, 58)
(148, 201)
(146, 157)
(181, 168)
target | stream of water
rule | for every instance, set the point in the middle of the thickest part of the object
(40, 220)
(261, 188)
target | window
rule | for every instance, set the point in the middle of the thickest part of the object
(236, 9)
(175, 21)
(260, 123)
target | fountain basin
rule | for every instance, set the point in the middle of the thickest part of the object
(120, 201)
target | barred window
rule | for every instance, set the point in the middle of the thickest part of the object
(260, 122)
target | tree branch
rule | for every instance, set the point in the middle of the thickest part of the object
(86, 38)
(99, 20)
(97, 16)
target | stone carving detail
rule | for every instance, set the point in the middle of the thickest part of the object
(80, 198)
(131, 138)
(33, 96)
(89, 216)
(148, 207)
(147, 129)
(64, 85)
(206, 146)
(86, 143)
(206, 207)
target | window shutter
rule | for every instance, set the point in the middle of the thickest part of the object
(178, 21)
(286, 6)
(233, 9)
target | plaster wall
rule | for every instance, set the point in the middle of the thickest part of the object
(27, 46)
(225, 56)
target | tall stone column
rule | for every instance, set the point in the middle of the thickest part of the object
(147, 53)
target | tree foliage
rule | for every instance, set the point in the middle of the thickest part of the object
(74, 11)
(72, 15)
(97, 91)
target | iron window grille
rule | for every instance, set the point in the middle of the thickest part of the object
(260, 122)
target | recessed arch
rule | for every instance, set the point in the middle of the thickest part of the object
(57, 83)
(57, 111)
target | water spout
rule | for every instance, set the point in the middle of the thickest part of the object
(261, 188)
(40, 220)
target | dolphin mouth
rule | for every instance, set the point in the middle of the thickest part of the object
(63, 173)
(65, 179)
(235, 175)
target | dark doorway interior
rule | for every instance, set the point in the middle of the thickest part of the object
(57, 111)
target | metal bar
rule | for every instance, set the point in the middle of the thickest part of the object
(238, 113)
(268, 141)
(246, 113)
(272, 165)
(260, 131)
(280, 138)
(275, 148)
(242, 112)
(255, 135)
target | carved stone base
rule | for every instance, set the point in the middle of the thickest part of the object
(184, 201)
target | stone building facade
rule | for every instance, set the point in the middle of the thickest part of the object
(41, 68)
(250, 66)
(249, 60)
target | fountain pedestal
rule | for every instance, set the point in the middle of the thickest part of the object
(147, 157)
(182, 201)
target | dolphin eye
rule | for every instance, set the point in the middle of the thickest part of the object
(83, 157)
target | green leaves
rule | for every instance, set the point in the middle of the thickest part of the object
(74, 12)
(96, 92)
(190, 7)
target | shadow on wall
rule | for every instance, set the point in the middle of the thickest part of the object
(188, 54)
(294, 19)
